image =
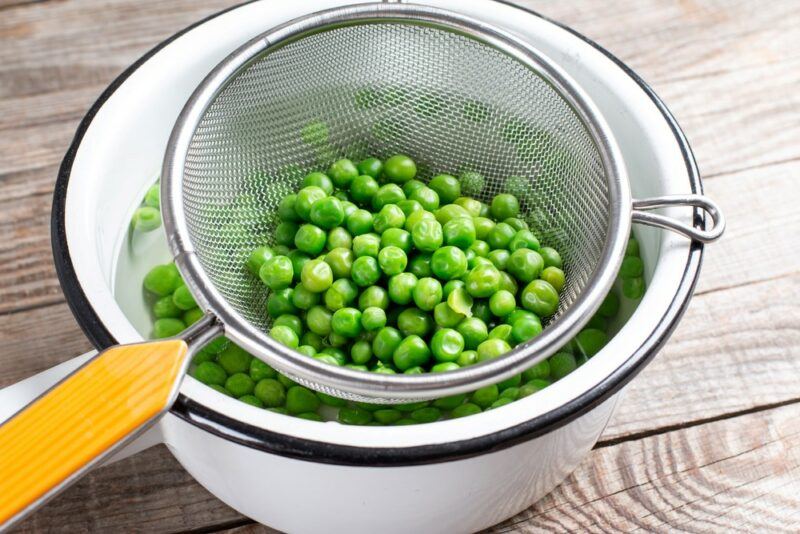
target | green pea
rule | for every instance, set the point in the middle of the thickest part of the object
(633, 288)
(483, 281)
(427, 293)
(317, 276)
(501, 331)
(329, 400)
(474, 331)
(525, 265)
(451, 285)
(502, 401)
(409, 206)
(257, 258)
(210, 373)
(298, 259)
(281, 250)
(427, 235)
(632, 267)
(312, 339)
(448, 263)
(360, 222)
(590, 341)
(499, 258)
(482, 227)
(475, 260)
(366, 245)
(166, 308)
(252, 400)
(412, 351)
(500, 236)
(280, 302)
(472, 183)
(320, 180)
(445, 316)
(504, 206)
(387, 194)
(401, 287)
(340, 261)
(447, 345)
(502, 303)
(480, 309)
(348, 208)
(460, 301)
(417, 216)
(363, 188)
(370, 167)
(305, 199)
(392, 260)
(307, 350)
(146, 219)
(447, 187)
(235, 359)
(310, 239)
(365, 271)
(339, 238)
(398, 238)
(336, 340)
(429, 414)
(400, 169)
(554, 276)
(346, 322)
(354, 416)
(492, 348)
(467, 358)
(525, 239)
(387, 416)
(270, 392)
(192, 316)
(153, 196)
(427, 198)
(540, 297)
(485, 396)
(326, 213)
(373, 297)
(162, 280)
(472, 206)
(460, 232)
(411, 186)
(343, 172)
(318, 320)
(373, 318)
(285, 232)
(240, 384)
(300, 400)
(390, 216)
(562, 364)
(420, 265)
(551, 257)
(450, 211)
(361, 351)
(277, 272)
(413, 321)
(285, 336)
(286, 209)
(385, 343)
(610, 306)
(464, 410)
(304, 299)
(526, 328)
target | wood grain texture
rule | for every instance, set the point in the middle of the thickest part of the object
(728, 69)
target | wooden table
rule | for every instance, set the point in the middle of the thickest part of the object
(708, 437)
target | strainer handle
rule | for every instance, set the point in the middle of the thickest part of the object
(708, 234)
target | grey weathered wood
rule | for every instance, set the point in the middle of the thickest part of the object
(727, 69)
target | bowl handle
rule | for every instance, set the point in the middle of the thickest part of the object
(706, 235)
(92, 412)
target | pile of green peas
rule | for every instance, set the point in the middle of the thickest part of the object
(378, 271)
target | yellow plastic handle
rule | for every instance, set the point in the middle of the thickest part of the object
(54, 439)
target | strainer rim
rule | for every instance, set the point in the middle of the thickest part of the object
(380, 385)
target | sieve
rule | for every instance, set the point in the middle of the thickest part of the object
(451, 92)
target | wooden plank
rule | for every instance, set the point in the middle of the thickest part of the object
(745, 479)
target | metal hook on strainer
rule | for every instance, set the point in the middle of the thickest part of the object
(453, 93)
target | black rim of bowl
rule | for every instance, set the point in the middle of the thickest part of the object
(299, 448)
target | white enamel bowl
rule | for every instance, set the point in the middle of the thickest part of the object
(303, 476)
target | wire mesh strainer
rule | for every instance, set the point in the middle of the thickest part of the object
(455, 95)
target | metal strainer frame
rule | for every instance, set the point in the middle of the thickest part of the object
(377, 387)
